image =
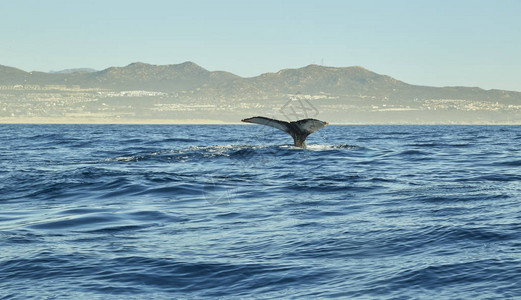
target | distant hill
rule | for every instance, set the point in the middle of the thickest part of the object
(9, 75)
(314, 79)
(343, 83)
(69, 71)
(185, 92)
(136, 76)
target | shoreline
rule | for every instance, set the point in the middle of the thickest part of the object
(110, 121)
(121, 121)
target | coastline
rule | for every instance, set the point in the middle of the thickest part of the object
(127, 121)
(109, 121)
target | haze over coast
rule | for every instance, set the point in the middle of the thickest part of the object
(188, 93)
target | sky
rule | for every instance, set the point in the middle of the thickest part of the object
(434, 43)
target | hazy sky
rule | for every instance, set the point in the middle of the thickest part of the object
(438, 42)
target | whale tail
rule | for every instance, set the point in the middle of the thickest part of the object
(299, 130)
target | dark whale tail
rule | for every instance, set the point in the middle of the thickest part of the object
(299, 130)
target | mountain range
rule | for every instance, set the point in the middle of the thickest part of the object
(69, 71)
(312, 79)
(188, 91)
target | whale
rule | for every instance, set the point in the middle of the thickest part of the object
(299, 130)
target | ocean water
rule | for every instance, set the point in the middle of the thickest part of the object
(236, 212)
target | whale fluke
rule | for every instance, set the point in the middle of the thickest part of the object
(299, 130)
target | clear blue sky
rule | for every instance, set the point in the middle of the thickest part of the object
(438, 43)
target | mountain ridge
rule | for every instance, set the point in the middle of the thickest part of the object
(174, 71)
(189, 77)
(187, 91)
(75, 70)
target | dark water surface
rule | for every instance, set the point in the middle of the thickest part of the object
(189, 211)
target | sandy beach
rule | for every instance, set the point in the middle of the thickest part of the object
(83, 120)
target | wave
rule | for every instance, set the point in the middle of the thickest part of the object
(134, 275)
(151, 212)
(461, 277)
(231, 151)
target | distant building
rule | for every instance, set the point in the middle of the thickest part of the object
(55, 87)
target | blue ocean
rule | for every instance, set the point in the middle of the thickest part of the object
(237, 212)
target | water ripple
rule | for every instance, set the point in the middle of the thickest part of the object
(365, 212)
